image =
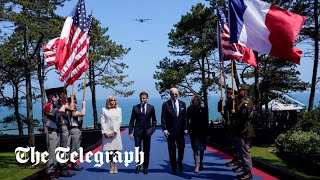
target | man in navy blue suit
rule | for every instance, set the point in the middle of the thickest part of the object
(141, 128)
(175, 125)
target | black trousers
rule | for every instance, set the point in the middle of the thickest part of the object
(175, 142)
(145, 140)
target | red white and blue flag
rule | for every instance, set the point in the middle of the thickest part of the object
(69, 52)
(233, 51)
(265, 28)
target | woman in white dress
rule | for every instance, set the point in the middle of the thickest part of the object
(111, 119)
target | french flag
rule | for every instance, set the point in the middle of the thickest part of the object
(265, 28)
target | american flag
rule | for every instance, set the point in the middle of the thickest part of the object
(69, 52)
(230, 51)
(233, 51)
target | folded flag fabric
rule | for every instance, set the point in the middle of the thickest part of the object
(233, 51)
(69, 52)
(265, 28)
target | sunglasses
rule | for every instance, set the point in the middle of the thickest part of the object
(175, 94)
(112, 100)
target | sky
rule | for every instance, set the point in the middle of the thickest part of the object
(119, 15)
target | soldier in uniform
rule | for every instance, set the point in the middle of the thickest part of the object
(65, 130)
(51, 112)
(244, 131)
(76, 121)
(229, 117)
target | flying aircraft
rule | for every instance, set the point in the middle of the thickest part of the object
(142, 20)
(142, 40)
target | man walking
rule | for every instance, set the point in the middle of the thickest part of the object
(142, 125)
(174, 125)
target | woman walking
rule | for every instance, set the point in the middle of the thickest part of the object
(111, 118)
(198, 127)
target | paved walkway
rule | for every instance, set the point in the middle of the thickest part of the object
(159, 168)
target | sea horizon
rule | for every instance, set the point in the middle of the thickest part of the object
(126, 105)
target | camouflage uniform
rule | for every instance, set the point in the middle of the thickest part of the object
(244, 132)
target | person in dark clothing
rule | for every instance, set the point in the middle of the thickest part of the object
(244, 132)
(198, 128)
(174, 124)
(229, 117)
(142, 125)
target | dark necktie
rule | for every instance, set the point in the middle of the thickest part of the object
(143, 109)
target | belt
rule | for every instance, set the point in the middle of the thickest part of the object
(74, 127)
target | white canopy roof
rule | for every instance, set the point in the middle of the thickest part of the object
(278, 105)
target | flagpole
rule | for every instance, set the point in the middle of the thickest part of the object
(222, 68)
(221, 96)
(232, 82)
(84, 85)
(72, 89)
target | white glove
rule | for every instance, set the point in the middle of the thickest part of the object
(166, 133)
(186, 132)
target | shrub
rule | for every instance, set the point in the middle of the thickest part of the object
(309, 121)
(303, 146)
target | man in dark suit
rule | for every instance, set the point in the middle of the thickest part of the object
(174, 125)
(141, 128)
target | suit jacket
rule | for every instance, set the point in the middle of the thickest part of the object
(142, 122)
(171, 122)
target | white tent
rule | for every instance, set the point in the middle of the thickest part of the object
(278, 105)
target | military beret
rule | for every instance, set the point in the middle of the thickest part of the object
(230, 90)
(55, 91)
(244, 87)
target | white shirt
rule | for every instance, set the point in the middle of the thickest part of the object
(175, 104)
(145, 108)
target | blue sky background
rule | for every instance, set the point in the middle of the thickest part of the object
(118, 16)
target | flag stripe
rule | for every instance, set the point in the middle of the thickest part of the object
(69, 52)
(233, 51)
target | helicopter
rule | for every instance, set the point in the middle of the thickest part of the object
(142, 20)
(142, 40)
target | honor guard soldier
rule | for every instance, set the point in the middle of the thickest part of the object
(76, 121)
(65, 130)
(229, 117)
(244, 131)
(52, 134)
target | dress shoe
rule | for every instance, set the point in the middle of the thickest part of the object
(201, 168)
(65, 173)
(138, 169)
(72, 173)
(145, 171)
(180, 167)
(232, 163)
(51, 177)
(174, 172)
(237, 169)
(196, 169)
(76, 167)
(245, 176)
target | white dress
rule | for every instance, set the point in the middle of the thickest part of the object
(111, 121)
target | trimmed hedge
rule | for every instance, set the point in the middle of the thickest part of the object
(301, 147)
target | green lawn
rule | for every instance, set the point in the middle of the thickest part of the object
(11, 169)
(265, 154)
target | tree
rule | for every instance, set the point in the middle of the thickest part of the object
(310, 31)
(275, 77)
(12, 76)
(106, 68)
(30, 18)
(193, 42)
